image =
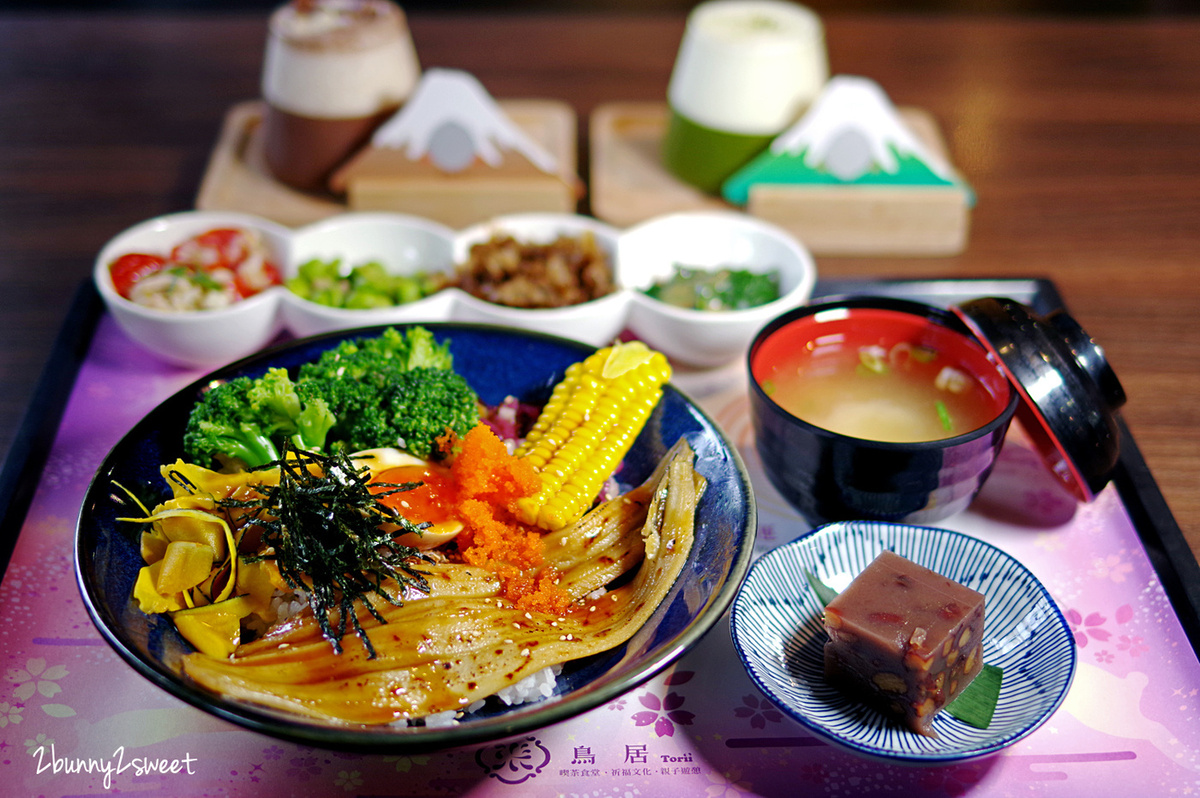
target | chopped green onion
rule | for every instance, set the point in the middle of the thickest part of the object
(923, 354)
(873, 359)
(975, 705)
(944, 415)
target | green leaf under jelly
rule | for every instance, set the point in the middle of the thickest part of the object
(825, 593)
(976, 704)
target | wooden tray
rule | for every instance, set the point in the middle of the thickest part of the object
(629, 185)
(237, 178)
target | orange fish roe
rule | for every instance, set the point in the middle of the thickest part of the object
(484, 469)
(490, 480)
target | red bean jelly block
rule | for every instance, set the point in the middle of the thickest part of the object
(904, 639)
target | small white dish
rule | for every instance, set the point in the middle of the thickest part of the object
(403, 244)
(597, 322)
(649, 252)
(778, 632)
(199, 338)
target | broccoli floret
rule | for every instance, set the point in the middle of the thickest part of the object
(369, 387)
(394, 390)
(313, 425)
(222, 426)
(379, 359)
(428, 401)
(247, 418)
(418, 407)
(355, 404)
(273, 400)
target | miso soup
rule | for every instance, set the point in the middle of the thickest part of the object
(871, 376)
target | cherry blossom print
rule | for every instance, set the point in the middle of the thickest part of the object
(405, 763)
(36, 677)
(665, 713)
(41, 741)
(1132, 644)
(1112, 567)
(348, 780)
(726, 785)
(10, 714)
(303, 768)
(1085, 628)
(758, 710)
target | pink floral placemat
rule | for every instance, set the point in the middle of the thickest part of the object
(76, 720)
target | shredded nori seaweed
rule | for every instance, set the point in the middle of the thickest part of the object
(322, 525)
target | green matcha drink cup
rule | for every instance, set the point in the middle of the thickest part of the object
(745, 71)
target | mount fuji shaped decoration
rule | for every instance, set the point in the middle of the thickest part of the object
(453, 154)
(852, 177)
(850, 135)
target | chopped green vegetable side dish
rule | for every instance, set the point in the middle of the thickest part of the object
(716, 289)
(367, 285)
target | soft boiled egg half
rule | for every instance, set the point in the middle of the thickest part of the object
(430, 499)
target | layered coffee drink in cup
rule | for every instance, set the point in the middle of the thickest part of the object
(334, 70)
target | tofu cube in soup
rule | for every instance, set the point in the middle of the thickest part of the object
(904, 639)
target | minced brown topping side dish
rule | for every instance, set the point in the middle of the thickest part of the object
(567, 271)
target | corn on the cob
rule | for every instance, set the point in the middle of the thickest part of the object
(587, 426)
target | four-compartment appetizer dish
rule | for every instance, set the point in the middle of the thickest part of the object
(695, 286)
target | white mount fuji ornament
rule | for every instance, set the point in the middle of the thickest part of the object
(454, 154)
(451, 118)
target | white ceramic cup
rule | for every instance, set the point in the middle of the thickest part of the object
(333, 71)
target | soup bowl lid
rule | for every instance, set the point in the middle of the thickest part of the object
(1069, 393)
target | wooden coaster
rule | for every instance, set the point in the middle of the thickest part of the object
(237, 178)
(629, 185)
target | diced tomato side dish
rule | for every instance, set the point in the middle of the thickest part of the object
(230, 262)
(128, 269)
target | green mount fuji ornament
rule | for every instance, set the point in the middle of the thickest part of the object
(850, 136)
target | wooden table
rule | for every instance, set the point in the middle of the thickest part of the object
(1081, 138)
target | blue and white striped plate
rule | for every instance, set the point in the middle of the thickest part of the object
(777, 629)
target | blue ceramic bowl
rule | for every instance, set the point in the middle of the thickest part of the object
(497, 362)
(778, 632)
(831, 476)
